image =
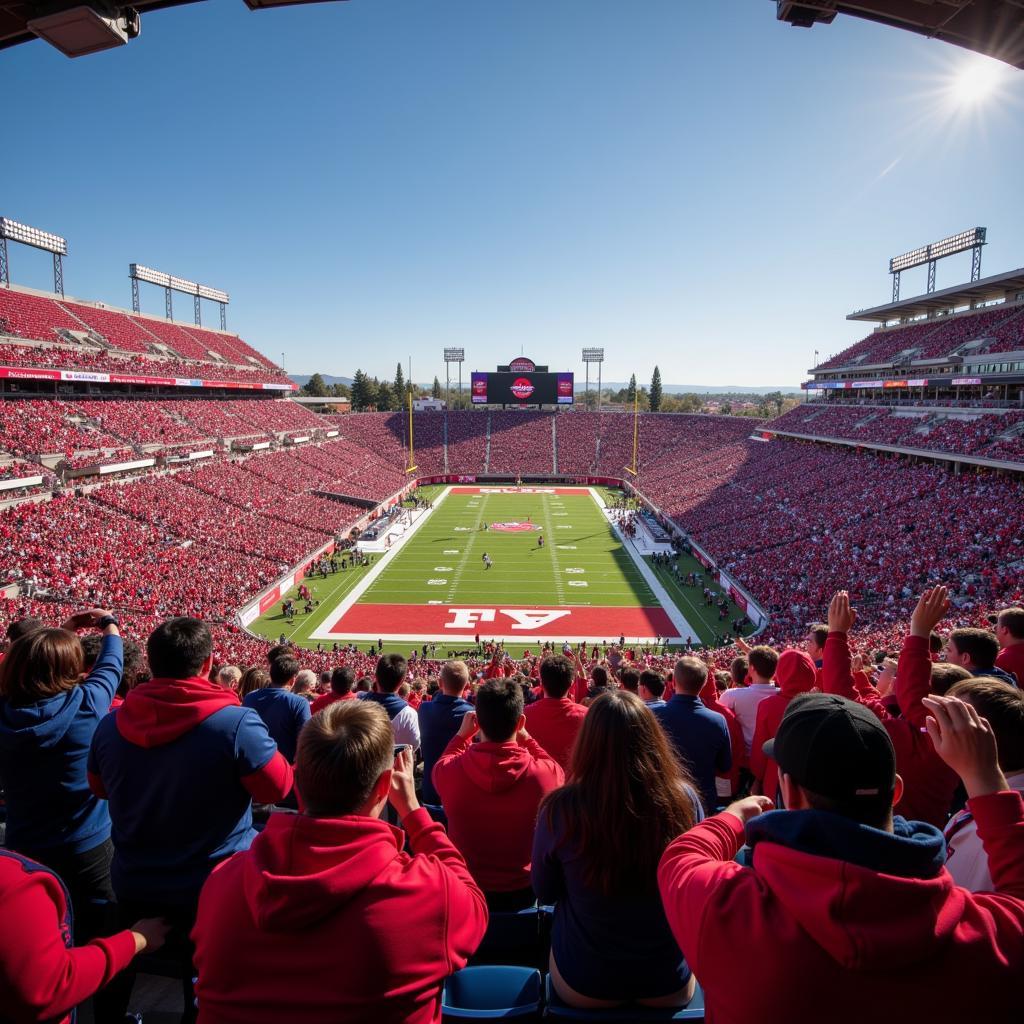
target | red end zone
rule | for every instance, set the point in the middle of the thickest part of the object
(464, 622)
(572, 491)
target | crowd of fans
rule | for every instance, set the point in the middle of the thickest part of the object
(935, 431)
(935, 338)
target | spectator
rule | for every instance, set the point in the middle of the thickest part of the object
(1010, 635)
(976, 650)
(272, 920)
(252, 679)
(439, 721)
(491, 791)
(48, 715)
(343, 681)
(305, 680)
(283, 712)
(595, 853)
(816, 637)
(743, 701)
(700, 737)
(930, 785)
(390, 673)
(1002, 707)
(554, 721)
(43, 976)
(796, 673)
(179, 764)
(229, 677)
(629, 679)
(849, 907)
(19, 628)
(739, 668)
(651, 689)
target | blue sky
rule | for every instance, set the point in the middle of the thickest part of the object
(698, 186)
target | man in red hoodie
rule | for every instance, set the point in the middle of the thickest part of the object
(554, 720)
(930, 785)
(1010, 634)
(325, 918)
(851, 910)
(491, 791)
(796, 673)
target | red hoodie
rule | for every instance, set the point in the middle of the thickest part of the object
(842, 943)
(1011, 659)
(928, 782)
(42, 976)
(794, 674)
(491, 792)
(325, 920)
(554, 723)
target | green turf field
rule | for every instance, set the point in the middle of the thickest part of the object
(582, 564)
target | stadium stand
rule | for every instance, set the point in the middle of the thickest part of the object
(521, 442)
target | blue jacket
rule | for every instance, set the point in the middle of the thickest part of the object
(701, 738)
(284, 714)
(440, 718)
(43, 752)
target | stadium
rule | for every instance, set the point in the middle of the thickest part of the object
(572, 621)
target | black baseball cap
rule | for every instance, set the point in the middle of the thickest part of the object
(836, 748)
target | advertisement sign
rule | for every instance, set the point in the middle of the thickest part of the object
(521, 387)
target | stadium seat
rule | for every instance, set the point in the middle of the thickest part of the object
(497, 992)
(554, 1007)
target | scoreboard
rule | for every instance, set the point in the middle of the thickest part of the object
(526, 387)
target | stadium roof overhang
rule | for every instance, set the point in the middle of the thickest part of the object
(988, 289)
(992, 27)
(79, 27)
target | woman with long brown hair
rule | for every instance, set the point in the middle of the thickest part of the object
(595, 856)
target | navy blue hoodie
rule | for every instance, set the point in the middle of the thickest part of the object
(43, 751)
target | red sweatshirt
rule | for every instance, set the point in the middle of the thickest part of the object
(795, 674)
(1011, 659)
(491, 792)
(844, 943)
(928, 783)
(325, 700)
(554, 723)
(42, 976)
(324, 920)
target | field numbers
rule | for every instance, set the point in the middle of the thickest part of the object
(437, 583)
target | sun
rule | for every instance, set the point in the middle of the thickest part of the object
(974, 82)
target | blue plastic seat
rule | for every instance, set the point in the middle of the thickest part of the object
(497, 992)
(694, 1010)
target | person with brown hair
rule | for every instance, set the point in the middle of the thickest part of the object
(1010, 637)
(595, 855)
(49, 711)
(743, 701)
(252, 679)
(1002, 706)
(272, 919)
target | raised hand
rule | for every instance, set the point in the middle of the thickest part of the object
(841, 616)
(966, 742)
(931, 609)
(468, 726)
(750, 807)
(402, 795)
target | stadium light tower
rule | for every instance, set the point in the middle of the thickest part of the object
(17, 232)
(171, 284)
(452, 355)
(594, 355)
(972, 238)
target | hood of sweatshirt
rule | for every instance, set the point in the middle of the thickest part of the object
(873, 900)
(795, 672)
(162, 710)
(300, 870)
(40, 725)
(496, 767)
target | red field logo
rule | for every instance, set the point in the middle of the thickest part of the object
(522, 388)
(514, 527)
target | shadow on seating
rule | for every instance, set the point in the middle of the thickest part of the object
(693, 1011)
(514, 937)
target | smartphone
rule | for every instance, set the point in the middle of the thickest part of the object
(400, 748)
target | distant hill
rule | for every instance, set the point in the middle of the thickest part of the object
(694, 389)
(302, 379)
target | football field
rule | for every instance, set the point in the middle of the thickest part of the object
(556, 570)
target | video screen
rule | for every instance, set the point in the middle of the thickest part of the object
(521, 388)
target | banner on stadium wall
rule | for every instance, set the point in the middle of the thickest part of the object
(267, 600)
(331, 433)
(91, 377)
(965, 380)
(124, 467)
(25, 481)
(739, 598)
(465, 479)
(250, 615)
